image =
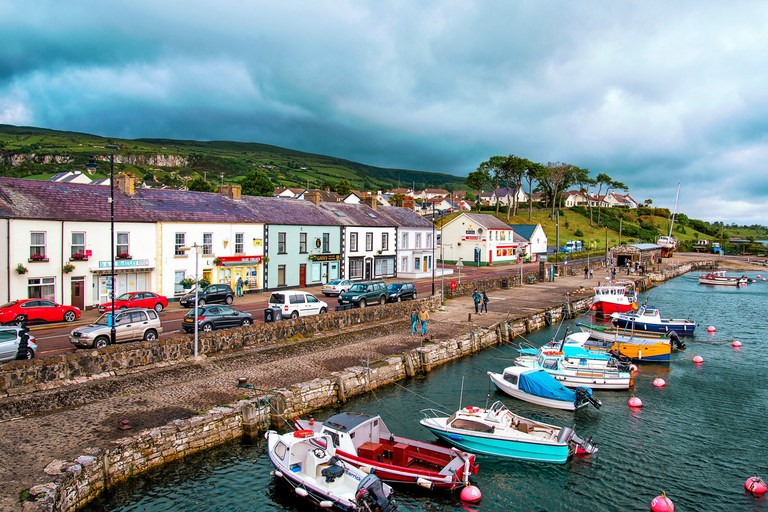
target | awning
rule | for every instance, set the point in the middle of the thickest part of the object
(120, 270)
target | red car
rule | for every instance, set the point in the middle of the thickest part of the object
(38, 310)
(147, 300)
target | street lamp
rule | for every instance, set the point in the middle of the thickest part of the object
(442, 276)
(434, 242)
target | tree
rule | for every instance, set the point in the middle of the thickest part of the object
(605, 180)
(470, 197)
(397, 199)
(367, 186)
(581, 177)
(343, 188)
(513, 172)
(534, 172)
(494, 169)
(256, 183)
(476, 180)
(198, 184)
(327, 185)
(556, 175)
(648, 202)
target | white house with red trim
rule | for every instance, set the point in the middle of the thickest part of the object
(480, 239)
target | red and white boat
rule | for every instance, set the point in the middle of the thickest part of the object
(719, 278)
(614, 297)
(365, 442)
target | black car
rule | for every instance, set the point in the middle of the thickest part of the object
(212, 293)
(215, 317)
(401, 291)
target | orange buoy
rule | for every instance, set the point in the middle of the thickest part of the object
(756, 485)
(659, 382)
(711, 328)
(471, 494)
(698, 359)
(662, 504)
(736, 344)
(303, 433)
(635, 402)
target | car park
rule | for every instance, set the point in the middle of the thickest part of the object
(210, 294)
(295, 303)
(10, 337)
(137, 300)
(130, 324)
(362, 294)
(401, 291)
(38, 310)
(336, 287)
(215, 317)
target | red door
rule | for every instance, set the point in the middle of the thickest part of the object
(302, 276)
(77, 294)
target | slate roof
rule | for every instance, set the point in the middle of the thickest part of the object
(357, 215)
(276, 210)
(489, 221)
(404, 217)
(524, 230)
(168, 205)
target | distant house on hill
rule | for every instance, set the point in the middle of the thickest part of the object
(614, 199)
(431, 193)
(326, 196)
(535, 235)
(289, 193)
(71, 177)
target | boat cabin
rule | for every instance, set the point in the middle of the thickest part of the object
(357, 433)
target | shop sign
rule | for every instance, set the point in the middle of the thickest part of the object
(324, 257)
(470, 238)
(233, 260)
(124, 263)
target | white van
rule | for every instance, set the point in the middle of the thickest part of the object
(295, 303)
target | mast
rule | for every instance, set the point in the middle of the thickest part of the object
(674, 212)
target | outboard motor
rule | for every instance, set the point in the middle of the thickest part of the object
(675, 340)
(585, 395)
(370, 496)
(567, 435)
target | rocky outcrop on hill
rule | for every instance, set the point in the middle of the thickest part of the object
(16, 159)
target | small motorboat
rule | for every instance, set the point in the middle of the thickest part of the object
(636, 345)
(649, 319)
(307, 461)
(614, 297)
(539, 387)
(499, 432)
(719, 278)
(365, 441)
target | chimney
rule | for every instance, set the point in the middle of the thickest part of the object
(313, 196)
(370, 201)
(126, 183)
(231, 191)
(409, 203)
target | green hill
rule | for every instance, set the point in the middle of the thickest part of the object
(28, 152)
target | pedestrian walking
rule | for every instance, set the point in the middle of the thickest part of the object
(414, 321)
(239, 287)
(423, 318)
(484, 306)
(613, 273)
(586, 271)
(476, 297)
(591, 273)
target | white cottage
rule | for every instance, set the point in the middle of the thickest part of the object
(480, 239)
(416, 248)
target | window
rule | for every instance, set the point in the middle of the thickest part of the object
(37, 245)
(418, 240)
(405, 241)
(122, 244)
(369, 241)
(326, 242)
(353, 242)
(384, 266)
(281, 275)
(207, 243)
(281, 243)
(179, 246)
(178, 275)
(385, 241)
(41, 288)
(429, 240)
(302, 243)
(355, 269)
(404, 264)
(239, 246)
(78, 245)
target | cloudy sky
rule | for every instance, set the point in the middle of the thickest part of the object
(651, 93)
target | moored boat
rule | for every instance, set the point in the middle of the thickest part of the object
(365, 441)
(649, 319)
(497, 431)
(539, 387)
(614, 297)
(719, 278)
(636, 345)
(593, 372)
(307, 462)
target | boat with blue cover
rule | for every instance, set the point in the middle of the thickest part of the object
(499, 432)
(539, 387)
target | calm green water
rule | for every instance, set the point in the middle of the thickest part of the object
(698, 439)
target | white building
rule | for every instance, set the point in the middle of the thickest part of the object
(415, 242)
(480, 239)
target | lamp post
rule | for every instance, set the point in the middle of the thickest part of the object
(112, 334)
(434, 242)
(442, 276)
(198, 250)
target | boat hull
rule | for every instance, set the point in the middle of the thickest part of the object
(681, 329)
(638, 347)
(608, 308)
(514, 391)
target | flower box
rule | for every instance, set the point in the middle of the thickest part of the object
(37, 257)
(78, 257)
(123, 256)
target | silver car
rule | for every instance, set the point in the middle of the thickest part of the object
(336, 287)
(10, 337)
(130, 324)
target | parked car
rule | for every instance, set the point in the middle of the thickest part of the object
(295, 303)
(401, 291)
(38, 310)
(362, 294)
(130, 324)
(10, 336)
(215, 317)
(336, 287)
(211, 293)
(137, 300)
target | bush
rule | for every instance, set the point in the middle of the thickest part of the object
(578, 232)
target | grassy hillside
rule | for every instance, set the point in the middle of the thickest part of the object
(216, 160)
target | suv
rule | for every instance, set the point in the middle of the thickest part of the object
(362, 294)
(401, 291)
(296, 304)
(130, 324)
(212, 293)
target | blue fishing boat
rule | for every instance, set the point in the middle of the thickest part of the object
(499, 432)
(649, 319)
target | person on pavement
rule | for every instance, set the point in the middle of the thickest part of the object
(424, 318)
(414, 321)
(484, 306)
(476, 297)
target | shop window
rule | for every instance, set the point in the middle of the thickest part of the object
(41, 288)
(353, 242)
(355, 269)
(179, 244)
(384, 267)
(37, 245)
(302, 243)
(239, 245)
(178, 275)
(208, 244)
(78, 245)
(281, 243)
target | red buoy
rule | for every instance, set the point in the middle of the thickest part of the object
(698, 359)
(659, 382)
(635, 402)
(662, 504)
(756, 485)
(736, 344)
(471, 494)
(711, 328)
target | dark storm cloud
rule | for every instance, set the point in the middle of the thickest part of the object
(652, 94)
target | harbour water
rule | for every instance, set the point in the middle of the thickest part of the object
(697, 439)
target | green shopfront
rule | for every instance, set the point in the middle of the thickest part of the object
(301, 256)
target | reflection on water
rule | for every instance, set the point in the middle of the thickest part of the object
(698, 439)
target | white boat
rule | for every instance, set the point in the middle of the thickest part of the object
(580, 371)
(307, 462)
(614, 297)
(365, 441)
(719, 278)
(540, 388)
